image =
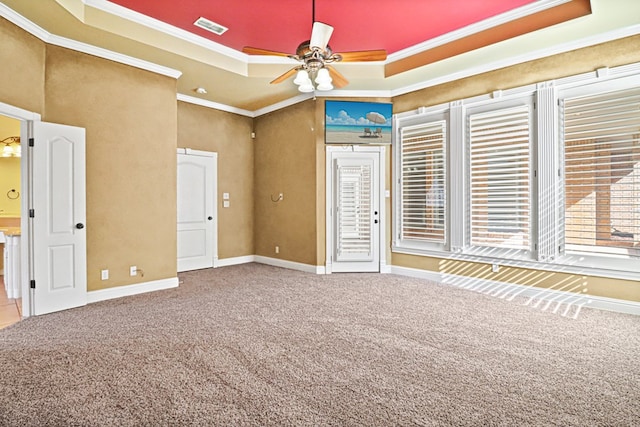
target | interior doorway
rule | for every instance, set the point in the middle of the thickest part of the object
(355, 218)
(10, 213)
(197, 177)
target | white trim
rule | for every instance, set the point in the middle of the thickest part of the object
(283, 104)
(17, 113)
(561, 302)
(214, 105)
(526, 57)
(53, 39)
(226, 262)
(154, 24)
(315, 269)
(128, 290)
(112, 56)
(521, 12)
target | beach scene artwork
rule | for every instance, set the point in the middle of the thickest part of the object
(352, 122)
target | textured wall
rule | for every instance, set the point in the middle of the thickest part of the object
(285, 162)
(22, 58)
(229, 135)
(130, 116)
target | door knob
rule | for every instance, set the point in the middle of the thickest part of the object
(79, 226)
(210, 218)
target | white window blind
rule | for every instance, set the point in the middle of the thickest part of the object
(354, 216)
(602, 172)
(499, 150)
(422, 186)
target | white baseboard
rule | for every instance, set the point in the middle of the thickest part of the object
(315, 269)
(225, 262)
(565, 303)
(125, 291)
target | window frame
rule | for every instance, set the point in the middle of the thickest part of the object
(547, 193)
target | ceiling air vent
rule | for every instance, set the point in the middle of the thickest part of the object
(210, 26)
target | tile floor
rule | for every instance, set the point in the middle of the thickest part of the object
(9, 308)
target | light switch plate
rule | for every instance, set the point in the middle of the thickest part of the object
(225, 196)
(225, 204)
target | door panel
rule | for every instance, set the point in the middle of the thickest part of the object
(196, 210)
(58, 232)
(355, 221)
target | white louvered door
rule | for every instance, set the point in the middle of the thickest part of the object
(356, 212)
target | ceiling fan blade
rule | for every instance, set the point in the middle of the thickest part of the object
(284, 76)
(364, 55)
(338, 80)
(257, 51)
(320, 35)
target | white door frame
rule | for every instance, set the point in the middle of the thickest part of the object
(381, 150)
(26, 264)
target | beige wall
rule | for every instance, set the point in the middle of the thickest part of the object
(229, 135)
(130, 117)
(22, 68)
(620, 52)
(285, 162)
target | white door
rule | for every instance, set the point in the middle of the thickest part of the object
(57, 219)
(197, 174)
(355, 212)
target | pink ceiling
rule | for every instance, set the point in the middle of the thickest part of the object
(359, 24)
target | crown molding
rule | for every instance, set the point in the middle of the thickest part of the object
(52, 39)
(529, 56)
(154, 24)
(214, 105)
(472, 29)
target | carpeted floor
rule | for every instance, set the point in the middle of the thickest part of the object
(258, 345)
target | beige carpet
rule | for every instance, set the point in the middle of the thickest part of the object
(258, 345)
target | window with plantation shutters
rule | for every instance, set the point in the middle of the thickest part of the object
(353, 213)
(422, 184)
(602, 173)
(499, 175)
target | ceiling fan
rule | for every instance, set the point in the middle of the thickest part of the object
(314, 55)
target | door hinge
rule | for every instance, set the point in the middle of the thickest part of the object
(32, 284)
(31, 142)
(32, 213)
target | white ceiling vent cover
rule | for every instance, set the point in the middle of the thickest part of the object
(210, 26)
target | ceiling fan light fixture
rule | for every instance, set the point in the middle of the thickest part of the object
(323, 77)
(306, 87)
(301, 77)
(325, 86)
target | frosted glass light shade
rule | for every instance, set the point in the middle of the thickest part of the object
(323, 77)
(301, 77)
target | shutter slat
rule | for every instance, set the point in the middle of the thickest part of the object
(422, 182)
(602, 172)
(500, 175)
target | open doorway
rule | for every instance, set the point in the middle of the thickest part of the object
(10, 217)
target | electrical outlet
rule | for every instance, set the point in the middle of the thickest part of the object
(133, 270)
(281, 196)
(277, 249)
(495, 268)
(105, 274)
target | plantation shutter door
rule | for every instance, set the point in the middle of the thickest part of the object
(353, 210)
(500, 173)
(422, 182)
(602, 172)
